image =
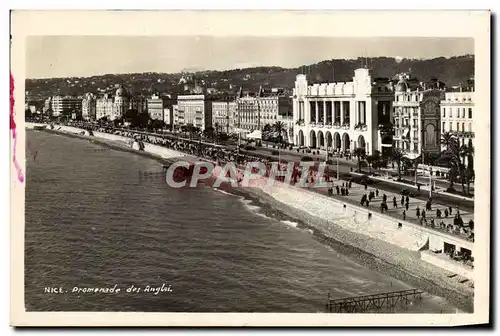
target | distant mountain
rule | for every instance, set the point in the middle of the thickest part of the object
(193, 69)
(452, 71)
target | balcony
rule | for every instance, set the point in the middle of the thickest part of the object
(360, 127)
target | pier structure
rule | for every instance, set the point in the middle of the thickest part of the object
(374, 302)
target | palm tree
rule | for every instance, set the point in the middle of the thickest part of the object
(447, 139)
(397, 155)
(280, 128)
(360, 154)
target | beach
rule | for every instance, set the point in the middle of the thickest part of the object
(377, 243)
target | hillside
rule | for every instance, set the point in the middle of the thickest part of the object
(452, 71)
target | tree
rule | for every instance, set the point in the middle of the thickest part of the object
(209, 133)
(280, 129)
(267, 128)
(360, 154)
(398, 155)
(447, 139)
(370, 159)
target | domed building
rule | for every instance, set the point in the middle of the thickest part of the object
(121, 103)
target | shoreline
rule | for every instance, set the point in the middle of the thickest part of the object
(373, 253)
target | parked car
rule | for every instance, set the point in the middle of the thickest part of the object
(406, 192)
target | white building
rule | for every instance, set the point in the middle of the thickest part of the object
(343, 116)
(155, 107)
(223, 113)
(457, 113)
(417, 116)
(65, 104)
(195, 110)
(113, 107)
(89, 107)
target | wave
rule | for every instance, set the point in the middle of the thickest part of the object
(290, 223)
(223, 192)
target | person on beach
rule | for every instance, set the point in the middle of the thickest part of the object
(400, 225)
(394, 202)
(418, 212)
(344, 206)
(404, 214)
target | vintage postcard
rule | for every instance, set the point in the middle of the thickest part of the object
(293, 168)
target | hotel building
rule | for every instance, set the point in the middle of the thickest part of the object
(195, 110)
(67, 103)
(155, 107)
(113, 107)
(457, 112)
(416, 114)
(343, 116)
(89, 107)
(223, 113)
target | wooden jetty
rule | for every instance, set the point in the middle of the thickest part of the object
(375, 302)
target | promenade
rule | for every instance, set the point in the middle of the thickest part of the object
(440, 224)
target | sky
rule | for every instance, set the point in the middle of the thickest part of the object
(83, 56)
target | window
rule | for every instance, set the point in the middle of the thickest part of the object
(458, 126)
(469, 127)
(451, 127)
(470, 113)
(463, 112)
(443, 126)
(444, 112)
(458, 112)
(463, 127)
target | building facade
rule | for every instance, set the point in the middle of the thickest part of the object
(155, 107)
(195, 110)
(104, 107)
(457, 113)
(223, 113)
(89, 107)
(417, 116)
(66, 104)
(168, 116)
(343, 116)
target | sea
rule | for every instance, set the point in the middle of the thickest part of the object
(98, 218)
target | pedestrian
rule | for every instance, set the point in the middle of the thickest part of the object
(384, 198)
(350, 184)
(423, 214)
(367, 204)
(366, 186)
(446, 212)
(394, 202)
(407, 199)
(338, 190)
(438, 213)
(402, 200)
(347, 192)
(451, 210)
(418, 212)
(404, 214)
(376, 191)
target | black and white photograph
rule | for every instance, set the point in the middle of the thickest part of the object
(340, 175)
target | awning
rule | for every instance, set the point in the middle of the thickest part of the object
(255, 135)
